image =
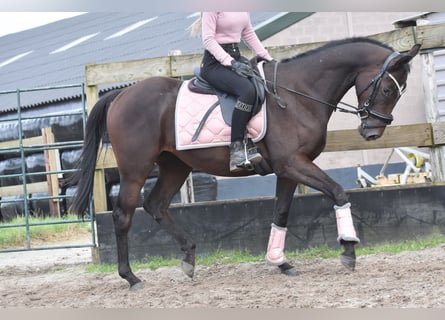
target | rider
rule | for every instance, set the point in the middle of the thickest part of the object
(221, 65)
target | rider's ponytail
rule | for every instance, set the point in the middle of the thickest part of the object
(195, 27)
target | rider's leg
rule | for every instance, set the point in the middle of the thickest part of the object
(238, 151)
(224, 79)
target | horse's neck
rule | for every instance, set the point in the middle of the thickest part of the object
(317, 77)
(331, 78)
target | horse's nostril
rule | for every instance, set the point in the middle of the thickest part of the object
(372, 137)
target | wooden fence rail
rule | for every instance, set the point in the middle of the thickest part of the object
(415, 135)
(51, 185)
(430, 36)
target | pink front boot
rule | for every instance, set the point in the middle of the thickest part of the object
(275, 255)
(345, 226)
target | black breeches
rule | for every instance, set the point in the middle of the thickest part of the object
(224, 79)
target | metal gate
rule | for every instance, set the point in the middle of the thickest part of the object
(20, 194)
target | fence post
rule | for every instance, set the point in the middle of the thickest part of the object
(432, 113)
(51, 165)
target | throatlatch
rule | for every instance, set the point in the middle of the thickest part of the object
(275, 248)
(345, 226)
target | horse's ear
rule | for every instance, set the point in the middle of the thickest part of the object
(404, 58)
(414, 50)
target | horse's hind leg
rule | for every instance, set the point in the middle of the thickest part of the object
(122, 216)
(172, 174)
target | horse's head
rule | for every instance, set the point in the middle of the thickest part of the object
(379, 90)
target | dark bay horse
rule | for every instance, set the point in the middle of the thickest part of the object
(303, 91)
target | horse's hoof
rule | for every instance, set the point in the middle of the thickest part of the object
(137, 286)
(348, 262)
(288, 270)
(188, 269)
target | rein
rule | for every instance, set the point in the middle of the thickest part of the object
(363, 112)
(283, 104)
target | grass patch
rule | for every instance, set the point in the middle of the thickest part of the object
(322, 252)
(15, 237)
(57, 268)
(153, 264)
(419, 243)
(227, 257)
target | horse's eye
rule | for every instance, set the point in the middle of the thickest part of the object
(386, 91)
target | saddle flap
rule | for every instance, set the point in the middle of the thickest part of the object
(226, 101)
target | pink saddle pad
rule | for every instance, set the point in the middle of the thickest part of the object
(190, 109)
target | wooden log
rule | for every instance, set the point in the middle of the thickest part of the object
(184, 64)
(430, 36)
(18, 189)
(51, 164)
(25, 142)
(414, 135)
(99, 191)
(400, 40)
(127, 71)
(106, 159)
(92, 95)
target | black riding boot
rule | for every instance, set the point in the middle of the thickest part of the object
(240, 157)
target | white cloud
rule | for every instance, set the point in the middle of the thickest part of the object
(11, 22)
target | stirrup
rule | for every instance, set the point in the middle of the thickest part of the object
(251, 155)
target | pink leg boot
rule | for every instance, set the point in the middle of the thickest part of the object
(275, 255)
(345, 227)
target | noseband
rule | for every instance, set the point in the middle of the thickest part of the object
(366, 110)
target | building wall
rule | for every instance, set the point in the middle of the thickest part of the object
(326, 26)
(439, 64)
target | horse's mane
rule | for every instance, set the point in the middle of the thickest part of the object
(336, 43)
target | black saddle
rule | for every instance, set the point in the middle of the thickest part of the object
(225, 101)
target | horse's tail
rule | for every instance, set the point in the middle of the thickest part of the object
(84, 176)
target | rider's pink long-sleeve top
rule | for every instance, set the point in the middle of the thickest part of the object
(229, 27)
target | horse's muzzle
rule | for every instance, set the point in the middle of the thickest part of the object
(370, 132)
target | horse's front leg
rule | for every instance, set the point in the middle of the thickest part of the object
(285, 189)
(347, 236)
(306, 172)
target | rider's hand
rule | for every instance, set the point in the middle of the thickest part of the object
(242, 69)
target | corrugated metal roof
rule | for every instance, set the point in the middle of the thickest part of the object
(35, 58)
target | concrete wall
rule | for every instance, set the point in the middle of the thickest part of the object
(380, 216)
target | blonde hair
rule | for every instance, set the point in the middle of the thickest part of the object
(195, 27)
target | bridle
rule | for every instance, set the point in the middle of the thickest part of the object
(363, 112)
(366, 110)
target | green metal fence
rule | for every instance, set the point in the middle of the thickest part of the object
(23, 149)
